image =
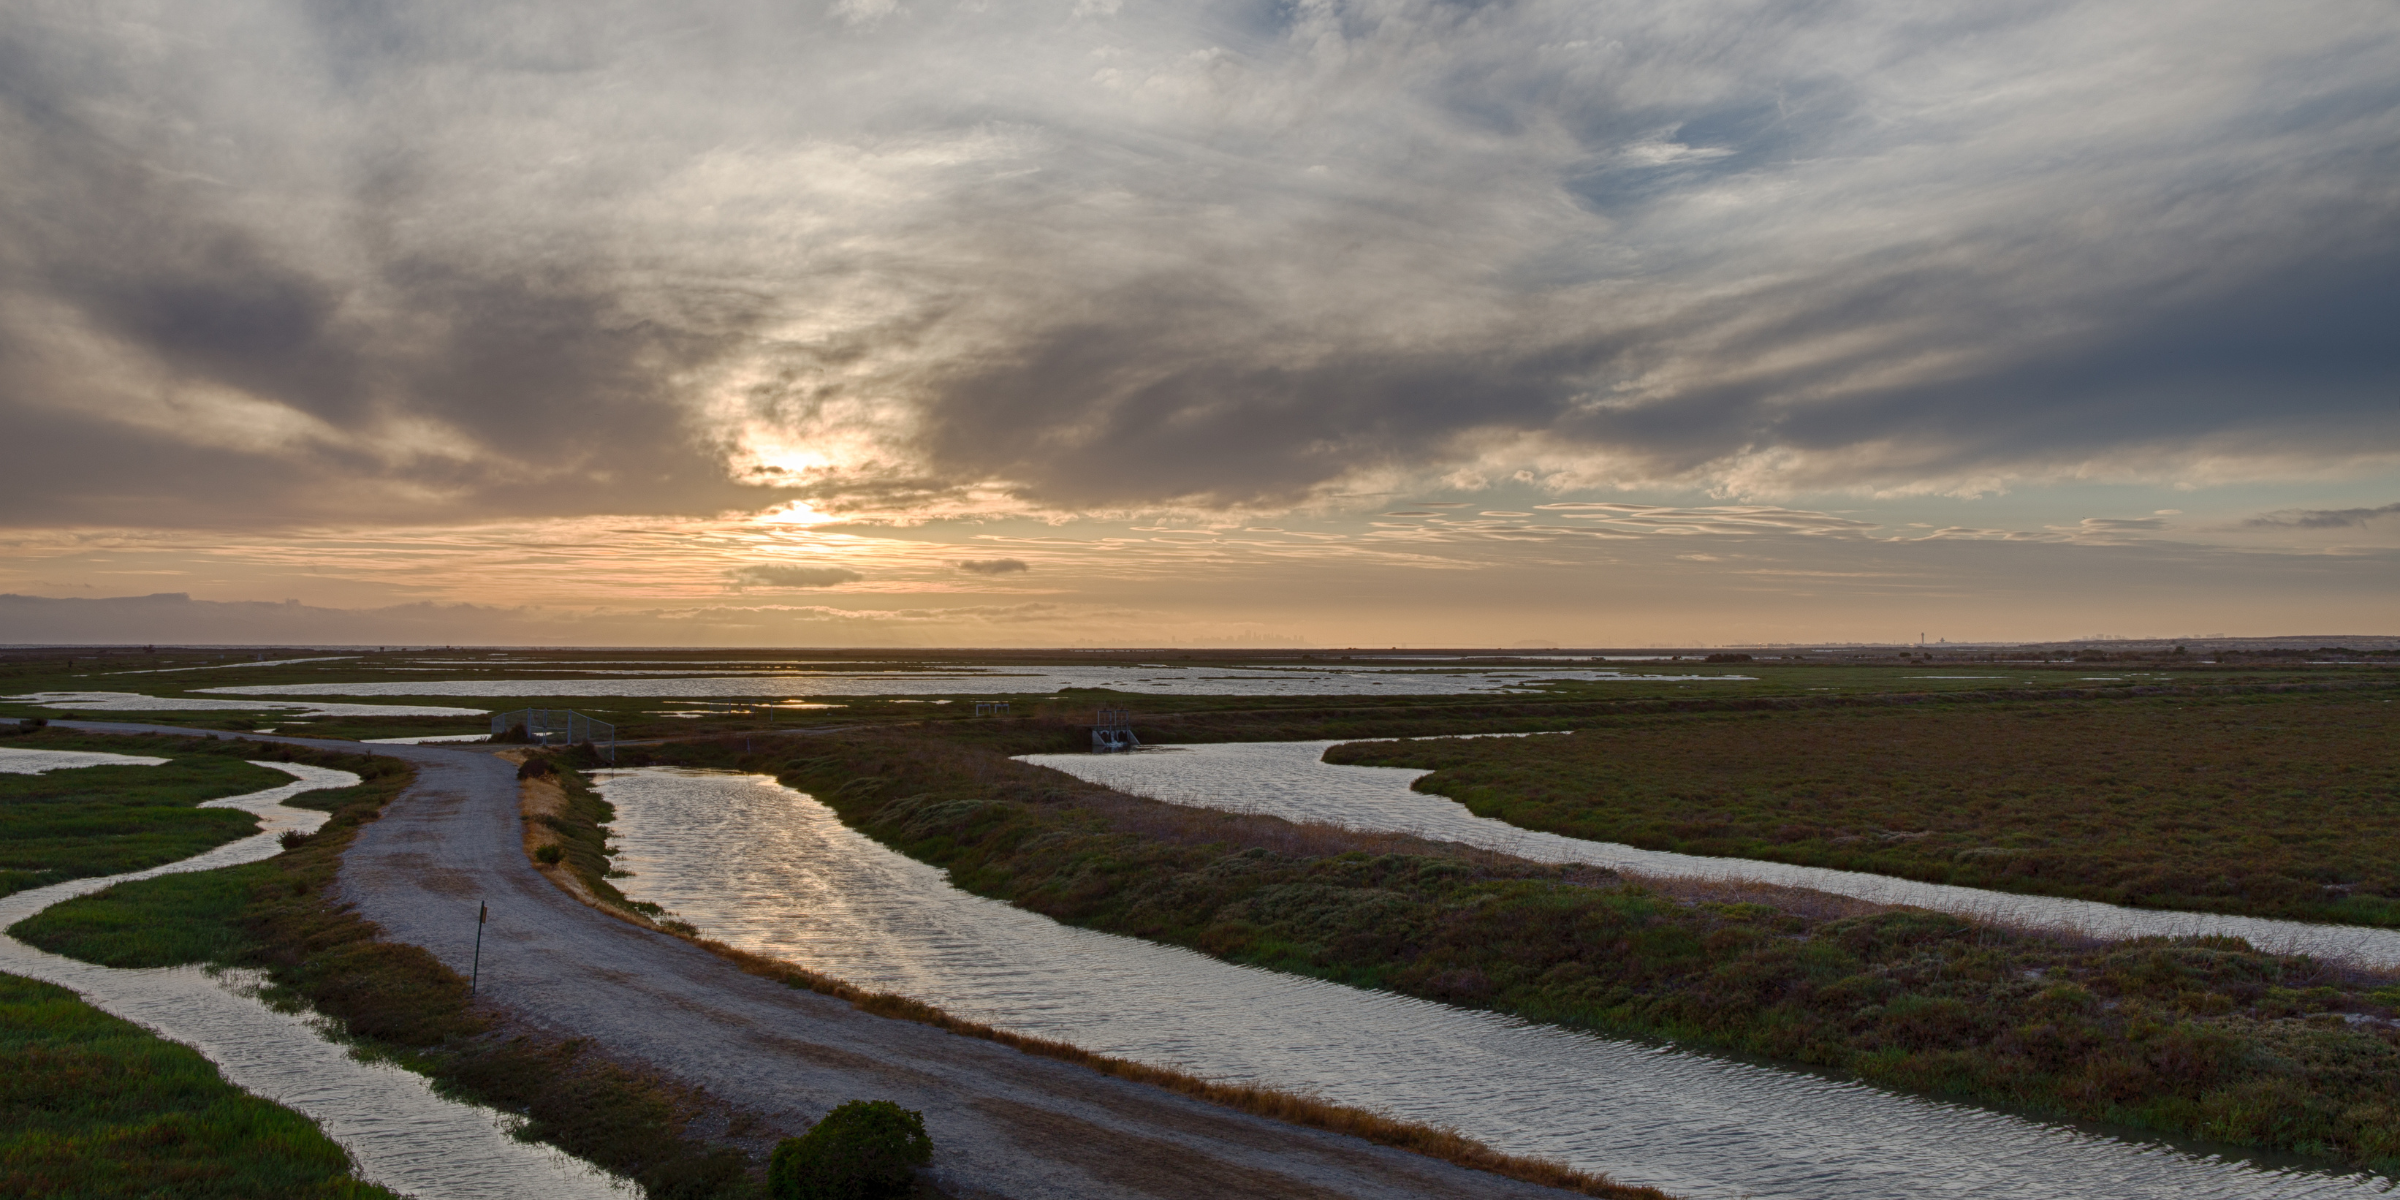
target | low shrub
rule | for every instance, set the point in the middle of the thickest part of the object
(549, 855)
(862, 1150)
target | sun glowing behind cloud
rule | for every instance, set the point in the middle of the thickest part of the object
(796, 512)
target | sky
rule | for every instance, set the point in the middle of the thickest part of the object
(1221, 322)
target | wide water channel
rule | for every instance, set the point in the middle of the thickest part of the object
(1157, 680)
(767, 868)
(398, 1131)
(1291, 780)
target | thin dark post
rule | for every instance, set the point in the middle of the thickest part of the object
(483, 912)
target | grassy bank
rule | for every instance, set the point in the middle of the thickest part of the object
(2278, 805)
(2207, 1039)
(398, 1000)
(566, 835)
(91, 1106)
(86, 821)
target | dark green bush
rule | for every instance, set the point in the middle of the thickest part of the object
(550, 853)
(863, 1150)
(535, 768)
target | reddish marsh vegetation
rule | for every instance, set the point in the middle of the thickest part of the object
(2277, 806)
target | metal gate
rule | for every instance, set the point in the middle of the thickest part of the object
(560, 727)
(1113, 730)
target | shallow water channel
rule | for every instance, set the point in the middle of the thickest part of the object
(767, 868)
(18, 761)
(398, 1132)
(1290, 780)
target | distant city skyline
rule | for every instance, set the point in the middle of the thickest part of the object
(1117, 322)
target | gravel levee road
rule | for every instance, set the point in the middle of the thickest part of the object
(1005, 1124)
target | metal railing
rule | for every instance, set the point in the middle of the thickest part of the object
(565, 725)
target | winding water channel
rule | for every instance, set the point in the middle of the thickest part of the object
(767, 868)
(398, 1131)
(1290, 780)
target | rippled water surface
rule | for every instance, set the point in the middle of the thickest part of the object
(1290, 780)
(398, 1132)
(15, 761)
(767, 868)
(1004, 681)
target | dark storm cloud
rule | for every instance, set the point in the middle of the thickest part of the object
(167, 358)
(270, 262)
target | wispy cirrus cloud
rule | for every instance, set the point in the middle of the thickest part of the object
(1722, 519)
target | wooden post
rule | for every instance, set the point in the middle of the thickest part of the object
(483, 912)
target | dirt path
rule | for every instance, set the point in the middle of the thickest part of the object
(1004, 1123)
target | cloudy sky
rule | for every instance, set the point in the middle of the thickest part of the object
(1214, 321)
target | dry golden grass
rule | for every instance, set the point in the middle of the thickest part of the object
(538, 798)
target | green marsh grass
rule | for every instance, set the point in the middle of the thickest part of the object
(93, 1107)
(86, 821)
(2284, 805)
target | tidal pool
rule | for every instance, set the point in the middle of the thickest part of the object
(1291, 780)
(398, 1131)
(18, 761)
(768, 869)
(137, 702)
